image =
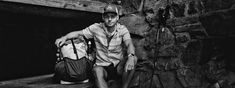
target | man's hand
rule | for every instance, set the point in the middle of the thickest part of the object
(60, 41)
(130, 64)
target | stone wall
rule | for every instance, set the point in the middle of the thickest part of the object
(192, 50)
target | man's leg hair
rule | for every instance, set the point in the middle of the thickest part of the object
(100, 75)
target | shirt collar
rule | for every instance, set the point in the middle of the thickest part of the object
(106, 31)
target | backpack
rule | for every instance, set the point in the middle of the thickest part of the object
(77, 70)
(77, 66)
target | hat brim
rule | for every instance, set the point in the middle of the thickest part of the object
(110, 12)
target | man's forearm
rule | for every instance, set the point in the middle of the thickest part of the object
(73, 34)
(130, 49)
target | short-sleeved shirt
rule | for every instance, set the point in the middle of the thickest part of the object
(107, 54)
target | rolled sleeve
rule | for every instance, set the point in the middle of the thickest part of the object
(89, 31)
(126, 34)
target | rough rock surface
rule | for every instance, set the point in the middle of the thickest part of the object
(192, 51)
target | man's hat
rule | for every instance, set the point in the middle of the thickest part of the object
(110, 9)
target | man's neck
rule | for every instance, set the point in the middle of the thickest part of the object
(110, 29)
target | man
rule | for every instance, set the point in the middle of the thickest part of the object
(108, 37)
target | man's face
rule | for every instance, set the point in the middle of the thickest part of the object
(110, 19)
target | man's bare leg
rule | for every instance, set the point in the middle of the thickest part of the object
(126, 78)
(100, 75)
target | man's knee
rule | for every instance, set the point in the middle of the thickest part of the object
(99, 72)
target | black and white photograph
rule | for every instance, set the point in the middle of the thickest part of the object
(117, 43)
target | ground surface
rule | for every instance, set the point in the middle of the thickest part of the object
(44, 81)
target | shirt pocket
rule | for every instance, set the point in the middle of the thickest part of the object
(117, 41)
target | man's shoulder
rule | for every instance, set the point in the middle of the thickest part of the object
(96, 25)
(121, 27)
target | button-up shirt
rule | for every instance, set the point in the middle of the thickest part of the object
(107, 52)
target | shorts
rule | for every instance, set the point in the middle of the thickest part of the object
(112, 73)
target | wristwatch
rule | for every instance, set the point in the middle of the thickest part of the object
(131, 54)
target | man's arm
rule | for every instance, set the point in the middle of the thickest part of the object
(130, 46)
(131, 55)
(130, 64)
(61, 41)
(73, 34)
(87, 32)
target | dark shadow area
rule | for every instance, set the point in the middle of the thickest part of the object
(220, 27)
(27, 39)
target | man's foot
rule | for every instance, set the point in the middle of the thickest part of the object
(85, 81)
(67, 82)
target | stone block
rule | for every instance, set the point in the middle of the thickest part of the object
(136, 24)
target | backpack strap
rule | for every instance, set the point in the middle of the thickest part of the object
(74, 49)
(60, 58)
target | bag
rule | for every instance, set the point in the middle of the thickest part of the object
(77, 67)
(77, 70)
